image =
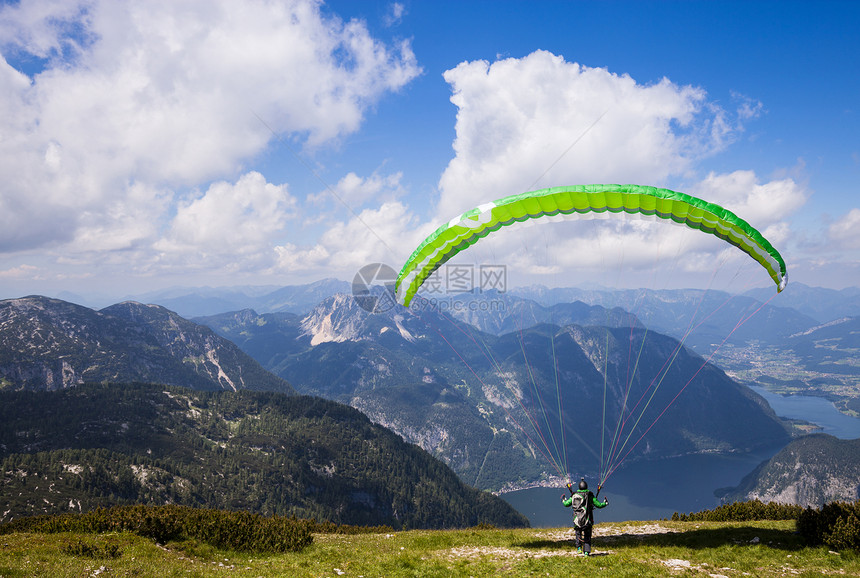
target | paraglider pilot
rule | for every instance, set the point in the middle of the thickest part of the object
(583, 502)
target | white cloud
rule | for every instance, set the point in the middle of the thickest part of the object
(355, 191)
(761, 205)
(385, 234)
(43, 28)
(748, 108)
(19, 272)
(540, 121)
(126, 223)
(845, 232)
(395, 14)
(229, 225)
(140, 101)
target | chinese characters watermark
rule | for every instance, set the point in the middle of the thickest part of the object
(457, 279)
(444, 289)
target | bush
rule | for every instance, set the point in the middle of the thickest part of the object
(743, 512)
(229, 530)
(83, 549)
(836, 525)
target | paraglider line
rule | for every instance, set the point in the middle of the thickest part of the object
(704, 363)
(665, 369)
(549, 459)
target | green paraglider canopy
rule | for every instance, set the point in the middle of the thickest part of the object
(584, 201)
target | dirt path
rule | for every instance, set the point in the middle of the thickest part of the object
(556, 536)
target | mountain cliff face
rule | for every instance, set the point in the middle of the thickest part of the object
(51, 344)
(809, 471)
(483, 402)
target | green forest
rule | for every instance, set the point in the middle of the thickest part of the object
(102, 445)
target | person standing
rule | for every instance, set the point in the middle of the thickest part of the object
(583, 502)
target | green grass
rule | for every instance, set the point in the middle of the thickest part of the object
(635, 549)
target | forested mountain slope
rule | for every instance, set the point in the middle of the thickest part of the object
(810, 471)
(99, 445)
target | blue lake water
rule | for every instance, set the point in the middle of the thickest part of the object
(813, 409)
(648, 490)
(656, 489)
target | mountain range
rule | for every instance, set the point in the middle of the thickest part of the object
(491, 407)
(507, 410)
(198, 301)
(818, 305)
(465, 383)
(52, 344)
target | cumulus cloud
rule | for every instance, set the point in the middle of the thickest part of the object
(540, 121)
(45, 29)
(139, 102)
(353, 191)
(845, 232)
(763, 205)
(387, 233)
(230, 224)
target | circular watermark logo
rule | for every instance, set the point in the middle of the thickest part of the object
(373, 287)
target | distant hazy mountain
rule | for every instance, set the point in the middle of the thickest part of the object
(819, 303)
(499, 313)
(667, 311)
(51, 344)
(476, 399)
(709, 317)
(199, 301)
(102, 445)
(809, 471)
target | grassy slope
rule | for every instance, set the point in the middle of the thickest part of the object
(638, 549)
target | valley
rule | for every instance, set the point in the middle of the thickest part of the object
(781, 371)
(467, 397)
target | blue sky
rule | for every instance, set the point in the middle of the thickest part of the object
(157, 144)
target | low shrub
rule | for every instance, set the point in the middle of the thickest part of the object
(743, 512)
(83, 549)
(241, 531)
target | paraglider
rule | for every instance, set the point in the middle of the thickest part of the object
(588, 202)
(584, 201)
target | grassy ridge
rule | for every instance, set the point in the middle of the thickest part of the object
(642, 549)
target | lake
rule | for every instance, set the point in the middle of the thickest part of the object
(646, 490)
(813, 409)
(656, 489)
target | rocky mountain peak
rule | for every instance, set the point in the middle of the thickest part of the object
(51, 344)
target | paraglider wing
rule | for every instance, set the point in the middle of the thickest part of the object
(468, 228)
